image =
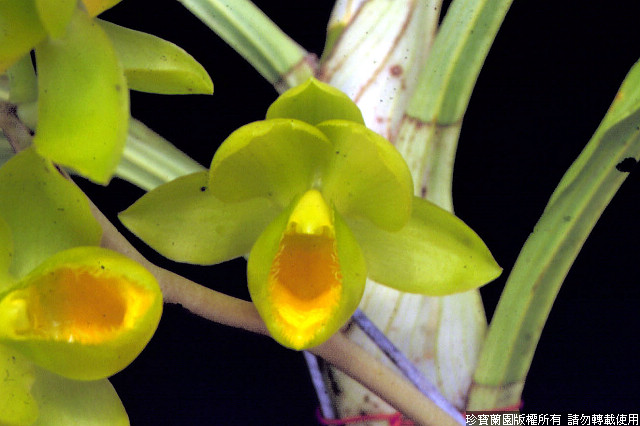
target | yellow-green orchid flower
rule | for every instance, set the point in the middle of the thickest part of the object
(319, 202)
(85, 67)
(71, 313)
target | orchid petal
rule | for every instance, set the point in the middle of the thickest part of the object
(20, 31)
(277, 159)
(71, 402)
(55, 15)
(367, 177)
(83, 101)
(96, 7)
(17, 405)
(45, 212)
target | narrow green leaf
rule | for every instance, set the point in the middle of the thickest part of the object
(20, 31)
(434, 254)
(71, 402)
(183, 221)
(154, 65)
(149, 160)
(581, 196)
(460, 48)
(429, 131)
(45, 212)
(254, 36)
(83, 101)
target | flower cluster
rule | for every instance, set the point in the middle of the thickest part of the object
(85, 67)
(319, 202)
(71, 313)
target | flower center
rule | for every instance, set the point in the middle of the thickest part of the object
(76, 304)
(305, 281)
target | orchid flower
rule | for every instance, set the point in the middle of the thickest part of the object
(71, 313)
(319, 203)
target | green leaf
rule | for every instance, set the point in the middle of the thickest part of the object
(434, 254)
(17, 405)
(314, 102)
(55, 15)
(20, 31)
(573, 210)
(456, 58)
(85, 313)
(254, 36)
(278, 159)
(83, 101)
(45, 212)
(183, 221)
(306, 273)
(70, 402)
(154, 65)
(366, 176)
(149, 160)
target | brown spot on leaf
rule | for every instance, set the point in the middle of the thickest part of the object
(396, 70)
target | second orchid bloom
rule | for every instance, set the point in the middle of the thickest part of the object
(320, 203)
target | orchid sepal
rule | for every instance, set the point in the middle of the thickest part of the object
(183, 221)
(435, 253)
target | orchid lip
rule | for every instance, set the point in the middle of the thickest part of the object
(305, 280)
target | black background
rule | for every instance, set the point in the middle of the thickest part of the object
(548, 80)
